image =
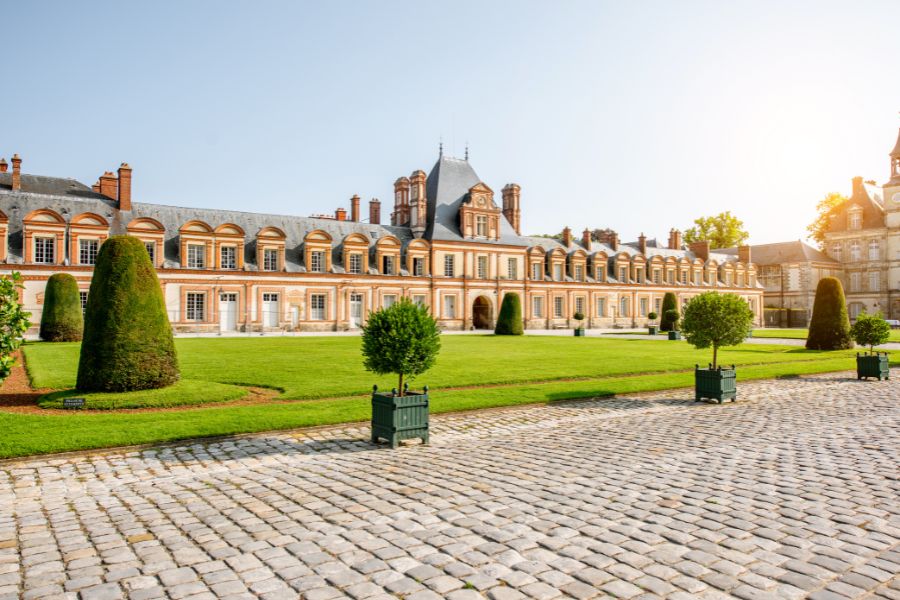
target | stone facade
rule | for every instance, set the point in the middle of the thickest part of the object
(451, 246)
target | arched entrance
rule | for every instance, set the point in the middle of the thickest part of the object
(481, 313)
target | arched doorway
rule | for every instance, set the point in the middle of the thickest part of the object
(481, 313)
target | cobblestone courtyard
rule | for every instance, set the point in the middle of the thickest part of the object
(792, 492)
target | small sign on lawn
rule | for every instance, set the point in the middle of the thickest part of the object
(73, 402)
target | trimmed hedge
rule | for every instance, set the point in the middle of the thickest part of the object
(829, 328)
(61, 319)
(128, 341)
(669, 303)
(510, 320)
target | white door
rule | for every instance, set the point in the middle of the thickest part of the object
(227, 312)
(270, 310)
(356, 301)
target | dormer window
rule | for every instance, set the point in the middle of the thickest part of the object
(270, 259)
(855, 219)
(356, 263)
(228, 257)
(196, 258)
(481, 226)
(317, 261)
(44, 250)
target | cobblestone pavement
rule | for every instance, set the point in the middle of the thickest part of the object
(791, 492)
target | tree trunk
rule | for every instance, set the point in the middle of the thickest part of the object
(400, 385)
(715, 354)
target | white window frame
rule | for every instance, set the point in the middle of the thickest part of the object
(317, 261)
(87, 251)
(579, 273)
(644, 306)
(512, 268)
(228, 257)
(855, 251)
(270, 259)
(837, 251)
(481, 225)
(557, 272)
(419, 266)
(600, 306)
(317, 307)
(481, 269)
(82, 297)
(537, 307)
(44, 250)
(855, 280)
(624, 306)
(388, 265)
(449, 306)
(579, 305)
(874, 281)
(449, 265)
(151, 251)
(536, 271)
(558, 307)
(874, 250)
(356, 261)
(196, 256)
(195, 306)
(388, 300)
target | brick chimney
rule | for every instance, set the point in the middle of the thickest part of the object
(744, 254)
(642, 243)
(511, 210)
(701, 249)
(858, 189)
(375, 211)
(675, 242)
(340, 214)
(354, 208)
(16, 173)
(124, 187)
(3, 165)
(567, 237)
(586, 239)
(109, 185)
(96, 187)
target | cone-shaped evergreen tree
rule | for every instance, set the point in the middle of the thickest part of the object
(829, 328)
(61, 319)
(669, 303)
(128, 341)
(510, 320)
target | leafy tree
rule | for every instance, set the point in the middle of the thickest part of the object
(61, 320)
(669, 303)
(870, 330)
(724, 230)
(672, 316)
(13, 321)
(510, 320)
(127, 341)
(824, 210)
(402, 339)
(652, 316)
(829, 327)
(717, 320)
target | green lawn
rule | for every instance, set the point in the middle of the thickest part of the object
(325, 376)
(800, 334)
(186, 392)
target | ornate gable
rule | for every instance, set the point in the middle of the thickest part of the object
(479, 216)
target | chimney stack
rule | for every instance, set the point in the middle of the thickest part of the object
(511, 209)
(354, 208)
(96, 187)
(701, 249)
(674, 239)
(108, 185)
(375, 211)
(567, 237)
(3, 165)
(858, 189)
(642, 243)
(340, 214)
(16, 173)
(124, 187)
(586, 239)
(744, 254)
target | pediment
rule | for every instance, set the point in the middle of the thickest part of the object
(480, 196)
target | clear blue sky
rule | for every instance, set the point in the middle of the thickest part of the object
(638, 116)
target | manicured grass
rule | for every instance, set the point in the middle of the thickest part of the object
(800, 334)
(503, 371)
(186, 392)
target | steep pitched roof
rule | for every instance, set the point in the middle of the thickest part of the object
(872, 211)
(784, 252)
(447, 186)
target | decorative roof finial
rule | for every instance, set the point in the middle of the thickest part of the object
(441, 147)
(467, 151)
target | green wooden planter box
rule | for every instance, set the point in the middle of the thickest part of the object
(873, 365)
(716, 384)
(652, 330)
(396, 417)
(579, 332)
(674, 335)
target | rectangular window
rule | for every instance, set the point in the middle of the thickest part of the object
(684, 276)
(579, 273)
(356, 263)
(87, 251)
(196, 258)
(151, 251)
(657, 305)
(317, 262)
(740, 279)
(836, 251)
(854, 282)
(317, 307)
(270, 259)
(874, 282)
(558, 307)
(728, 279)
(670, 276)
(419, 267)
(623, 307)
(538, 307)
(195, 309)
(698, 277)
(512, 266)
(228, 256)
(449, 307)
(536, 271)
(579, 304)
(623, 274)
(874, 250)
(388, 300)
(387, 265)
(82, 295)
(856, 220)
(482, 267)
(639, 275)
(599, 275)
(481, 226)
(601, 307)
(449, 265)
(644, 306)
(419, 299)
(45, 250)
(557, 272)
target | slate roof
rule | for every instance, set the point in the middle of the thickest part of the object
(783, 252)
(873, 212)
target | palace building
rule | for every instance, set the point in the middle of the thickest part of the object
(452, 245)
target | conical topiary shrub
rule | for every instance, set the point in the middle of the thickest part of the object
(128, 341)
(669, 303)
(61, 319)
(510, 320)
(829, 328)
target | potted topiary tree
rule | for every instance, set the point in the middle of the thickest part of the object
(871, 331)
(716, 320)
(402, 339)
(829, 327)
(673, 316)
(61, 319)
(579, 328)
(510, 320)
(651, 327)
(669, 302)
